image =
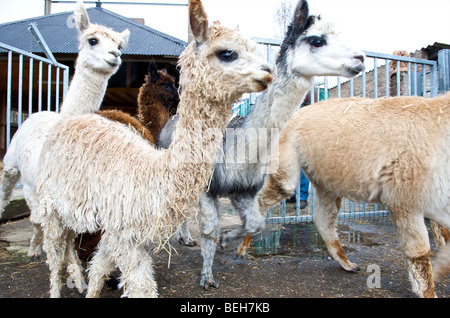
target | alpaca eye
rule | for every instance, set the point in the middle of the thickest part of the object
(227, 56)
(120, 47)
(166, 86)
(93, 41)
(317, 42)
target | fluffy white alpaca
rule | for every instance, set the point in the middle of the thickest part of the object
(98, 59)
(96, 174)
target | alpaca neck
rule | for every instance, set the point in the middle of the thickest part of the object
(153, 116)
(86, 92)
(272, 111)
(197, 137)
(200, 128)
(279, 102)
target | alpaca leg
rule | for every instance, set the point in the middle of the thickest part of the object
(253, 222)
(54, 244)
(9, 179)
(242, 249)
(183, 236)
(413, 237)
(325, 217)
(210, 230)
(74, 267)
(100, 267)
(440, 233)
(137, 273)
(281, 183)
(35, 249)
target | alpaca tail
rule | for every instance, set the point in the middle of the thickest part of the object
(9, 178)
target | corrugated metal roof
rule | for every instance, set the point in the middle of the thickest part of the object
(61, 36)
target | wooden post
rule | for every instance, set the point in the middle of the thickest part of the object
(48, 7)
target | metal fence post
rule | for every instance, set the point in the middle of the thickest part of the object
(444, 70)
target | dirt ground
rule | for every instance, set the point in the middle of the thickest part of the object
(285, 261)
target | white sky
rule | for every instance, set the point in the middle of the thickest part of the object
(371, 25)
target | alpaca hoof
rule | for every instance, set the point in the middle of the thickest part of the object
(190, 243)
(208, 282)
(352, 267)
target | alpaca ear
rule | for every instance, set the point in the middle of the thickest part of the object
(153, 71)
(198, 21)
(81, 17)
(300, 17)
(125, 37)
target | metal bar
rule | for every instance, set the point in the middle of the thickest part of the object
(375, 78)
(34, 56)
(339, 87)
(37, 36)
(398, 79)
(30, 87)
(49, 88)
(424, 80)
(8, 101)
(386, 70)
(364, 80)
(433, 80)
(126, 3)
(398, 58)
(40, 87)
(19, 96)
(312, 93)
(409, 78)
(415, 78)
(65, 82)
(351, 88)
(57, 90)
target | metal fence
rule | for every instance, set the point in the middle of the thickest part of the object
(386, 75)
(39, 84)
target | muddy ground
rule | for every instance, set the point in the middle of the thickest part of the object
(285, 261)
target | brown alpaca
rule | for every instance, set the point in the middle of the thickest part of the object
(157, 99)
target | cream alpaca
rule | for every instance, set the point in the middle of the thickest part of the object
(98, 59)
(22, 157)
(392, 151)
(117, 182)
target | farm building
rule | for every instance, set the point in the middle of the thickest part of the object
(59, 33)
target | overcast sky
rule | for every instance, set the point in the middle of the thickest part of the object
(372, 25)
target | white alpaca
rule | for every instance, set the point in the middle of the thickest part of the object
(393, 151)
(311, 48)
(98, 59)
(98, 175)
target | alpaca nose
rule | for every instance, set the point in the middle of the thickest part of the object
(360, 56)
(116, 53)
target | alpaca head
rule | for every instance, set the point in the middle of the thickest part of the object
(220, 61)
(159, 87)
(100, 47)
(312, 48)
